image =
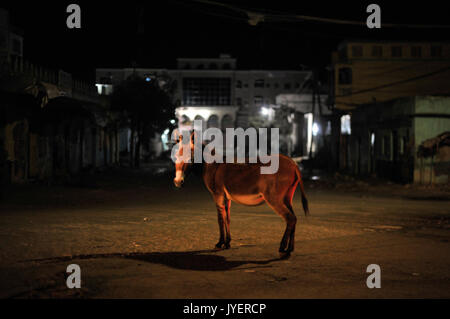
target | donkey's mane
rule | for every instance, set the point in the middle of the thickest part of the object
(197, 168)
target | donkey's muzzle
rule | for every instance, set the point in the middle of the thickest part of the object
(178, 183)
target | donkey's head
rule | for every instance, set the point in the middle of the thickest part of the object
(184, 158)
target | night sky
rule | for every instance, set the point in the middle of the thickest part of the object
(109, 34)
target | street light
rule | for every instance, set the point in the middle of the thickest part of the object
(315, 129)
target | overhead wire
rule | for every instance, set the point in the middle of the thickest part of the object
(296, 17)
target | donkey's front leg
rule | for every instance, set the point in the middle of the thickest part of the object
(222, 220)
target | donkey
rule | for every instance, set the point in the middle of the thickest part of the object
(244, 184)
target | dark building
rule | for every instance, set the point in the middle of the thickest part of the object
(389, 97)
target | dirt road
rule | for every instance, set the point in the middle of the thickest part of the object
(137, 237)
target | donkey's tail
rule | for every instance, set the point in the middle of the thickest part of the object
(300, 183)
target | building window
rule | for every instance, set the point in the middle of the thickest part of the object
(345, 75)
(416, 51)
(297, 85)
(227, 122)
(346, 124)
(213, 121)
(276, 85)
(200, 66)
(357, 51)
(328, 129)
(436, 50)
(258, 100)
(226, 66)
(342, 55)
(287, 86)
(245, 85)
(185, 120)
(213, 66)
(396, 51)
(377, 51)
(187, 66)
(238, 84)
(200, 118)
(259, 83)
(268, 85)
(401, 147)
(387, 146)
(239, 101)
(207, 91)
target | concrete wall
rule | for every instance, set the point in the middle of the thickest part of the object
(399, 127)
(39, 147)
(432, 117)
(380, 141)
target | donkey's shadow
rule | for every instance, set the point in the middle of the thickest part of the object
(201, 260)
(206, 260)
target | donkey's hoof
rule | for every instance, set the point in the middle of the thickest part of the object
(227, 246)
(285, 254)
(219, 246)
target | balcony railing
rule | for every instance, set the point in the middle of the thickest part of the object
(83, 90)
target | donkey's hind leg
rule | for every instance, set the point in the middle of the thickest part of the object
(287, 241)
(222, 205)
(292, 233)
(288, 203)
(227, 228)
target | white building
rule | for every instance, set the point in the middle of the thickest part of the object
(214, 90)
(313, 122)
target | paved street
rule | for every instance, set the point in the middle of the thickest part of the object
(135, 236)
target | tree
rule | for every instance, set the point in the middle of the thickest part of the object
(148, 106)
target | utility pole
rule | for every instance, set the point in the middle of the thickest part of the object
(313, 108)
